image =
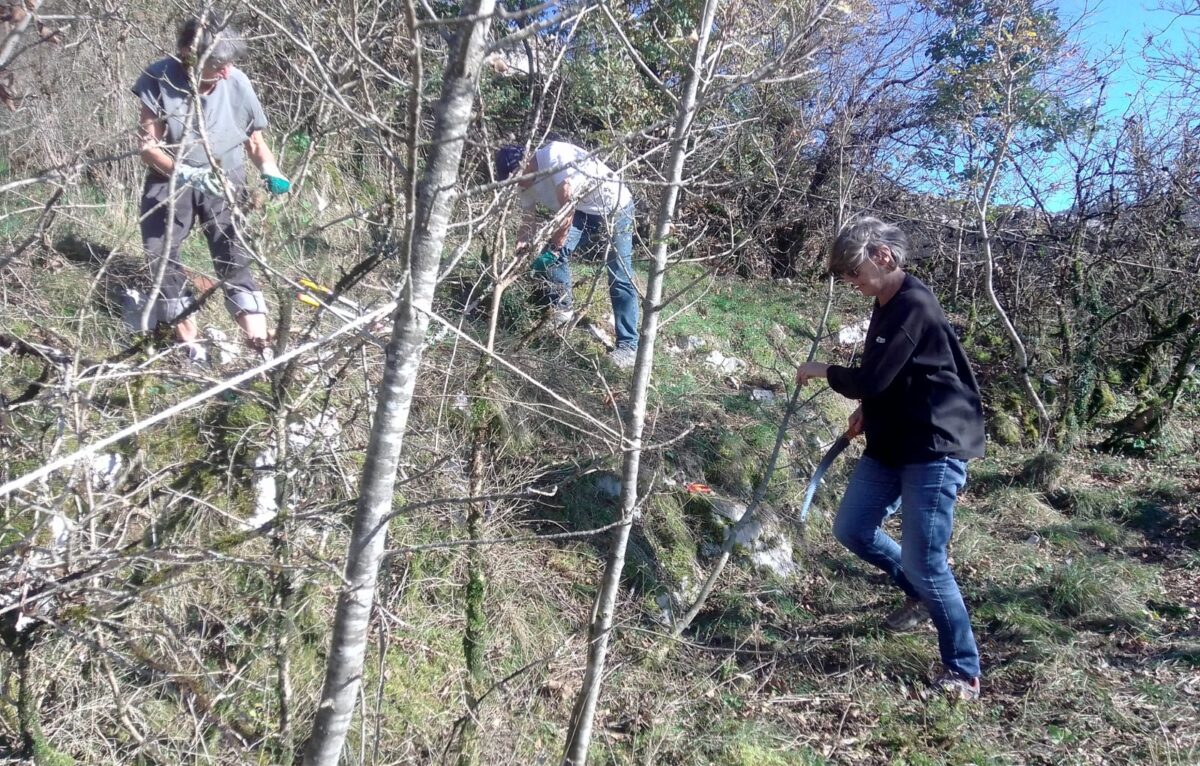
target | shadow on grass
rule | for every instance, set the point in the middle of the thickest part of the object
(846, 567)
(117, 271)
(1184, 653)
(1158, 513)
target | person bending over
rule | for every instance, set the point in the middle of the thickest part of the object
(592, 210)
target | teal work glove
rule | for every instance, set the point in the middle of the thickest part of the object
(274, 180)
(543, 262)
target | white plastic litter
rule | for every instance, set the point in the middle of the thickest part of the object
(132, 303)
(224, 350)
(265, 507)
(302, 433)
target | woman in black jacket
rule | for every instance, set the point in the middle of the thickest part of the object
(921, 412)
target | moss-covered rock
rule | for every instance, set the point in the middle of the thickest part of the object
(709, 520)
(1005, 429)
(242, 423)
(666, 529)
(1044, 471)
(246, 413)
(1102, 400)
(661, 552)
(731, 464)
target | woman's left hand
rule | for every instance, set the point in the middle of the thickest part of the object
(810, 370)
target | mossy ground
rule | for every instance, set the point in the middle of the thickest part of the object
(1081, 570)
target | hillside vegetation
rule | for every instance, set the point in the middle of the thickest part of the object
(180, 540)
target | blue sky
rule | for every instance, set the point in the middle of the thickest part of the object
(1125, 32)
(1124, 26)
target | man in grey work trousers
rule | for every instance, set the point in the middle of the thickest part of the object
(199, 119)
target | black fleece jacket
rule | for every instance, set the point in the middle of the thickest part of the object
(919, 397)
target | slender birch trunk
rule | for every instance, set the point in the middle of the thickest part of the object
(475, 590)
(579, 732)
(475, 632)
(1014, 337)
(8, 45)
(283, 596)
(432, 208)
(764, 483)
(958, 253)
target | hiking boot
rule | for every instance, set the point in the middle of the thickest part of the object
(623, 357)
(196, 354)
(956, 687)
(912, 615)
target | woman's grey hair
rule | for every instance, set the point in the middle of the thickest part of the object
(859, 238)
(211, 37)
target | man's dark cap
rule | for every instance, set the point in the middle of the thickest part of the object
(508, 160)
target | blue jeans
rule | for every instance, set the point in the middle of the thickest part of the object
(588, 234)
(919, 567)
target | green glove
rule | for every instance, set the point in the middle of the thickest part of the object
(274, 179)
(543, 262)
(277, 185)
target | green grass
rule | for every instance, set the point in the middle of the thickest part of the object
(1079, 535)
(1025, 621)
(1101, 590)
(1022, 510)
(1043, 471)
(1082, 637)
(721, 314)
(754, 753)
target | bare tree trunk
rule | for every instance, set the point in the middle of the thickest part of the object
(29, 730)
(958, 253)
(579, 733)
(8, 45)
(433, 203)
(474, 634)
(483, 426)
(1014, 337)
(1148, 419)
(283, 595)
(760, 492)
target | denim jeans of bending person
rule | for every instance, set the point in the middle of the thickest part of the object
(612, 236)
(918, 564)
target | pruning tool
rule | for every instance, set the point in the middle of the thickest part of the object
(321, 297)
(831, 455)
(326, 295)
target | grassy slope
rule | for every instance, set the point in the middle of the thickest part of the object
(1082, 580)
(1082, 584)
